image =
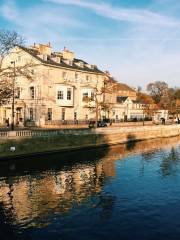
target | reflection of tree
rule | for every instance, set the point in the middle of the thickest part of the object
(169, 165)
(146, 158)
(106, 204)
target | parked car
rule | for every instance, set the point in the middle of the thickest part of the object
(92, 124)
(107, 121)
(100, 123)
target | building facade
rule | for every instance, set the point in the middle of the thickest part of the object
(55, 89)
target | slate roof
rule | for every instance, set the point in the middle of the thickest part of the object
(35, 53)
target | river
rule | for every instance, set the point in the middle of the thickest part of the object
(129, 191)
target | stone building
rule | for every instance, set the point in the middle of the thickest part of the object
(123, 102)
(56, 90)
(57, 87)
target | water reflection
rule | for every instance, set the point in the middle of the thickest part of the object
(170, 163)
(34, 192)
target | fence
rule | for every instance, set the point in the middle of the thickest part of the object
(41, 133)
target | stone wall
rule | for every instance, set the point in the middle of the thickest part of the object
(32, 142)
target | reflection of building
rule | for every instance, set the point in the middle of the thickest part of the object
(32, 198)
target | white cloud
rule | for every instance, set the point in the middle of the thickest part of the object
(122, 14)
(40, 22)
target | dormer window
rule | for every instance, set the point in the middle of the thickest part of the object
(81, 64)
(92, 66)
(44, 57)
(70, 62)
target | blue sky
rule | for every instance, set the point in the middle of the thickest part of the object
(138, 41)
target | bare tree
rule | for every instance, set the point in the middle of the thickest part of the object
(157, 90)
(8, 40)
(12, 43)
(98, 102)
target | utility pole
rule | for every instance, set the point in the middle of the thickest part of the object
(13, 85)
(143, 115)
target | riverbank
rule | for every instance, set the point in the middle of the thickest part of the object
(22, 143)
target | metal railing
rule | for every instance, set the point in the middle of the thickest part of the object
(66, 122)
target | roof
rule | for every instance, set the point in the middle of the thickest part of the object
(124, 87)
(121, 99)
(138, 102)
(35, 53)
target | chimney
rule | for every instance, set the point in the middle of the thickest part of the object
(68, 55)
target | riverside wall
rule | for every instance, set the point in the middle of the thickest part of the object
(39, 141)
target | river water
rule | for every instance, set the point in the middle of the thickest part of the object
(129, 191)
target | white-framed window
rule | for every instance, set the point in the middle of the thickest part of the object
(87, 78)
(32, 92)
(60, 95)
(19, 59)
(63, 116)
(17, 93)
(69, 94)
(64, 75)
(75, 116)
(92, 96)
(49, 114)
(31, 114)
(85, 96)
(76, 76)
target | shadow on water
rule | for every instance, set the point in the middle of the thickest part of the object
(53, 161)
(6, 230)
(131, 142)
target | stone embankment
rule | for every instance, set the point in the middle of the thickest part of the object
(18, 143)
